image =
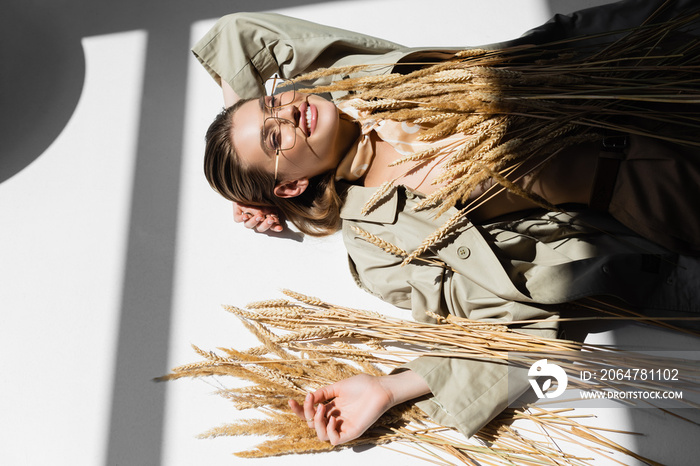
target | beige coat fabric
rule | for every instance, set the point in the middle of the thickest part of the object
(501, 272)
(663, 180)
(245, 49)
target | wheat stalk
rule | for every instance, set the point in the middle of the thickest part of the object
(314, 357)
(512, 104)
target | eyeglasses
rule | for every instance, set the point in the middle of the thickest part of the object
(279, 133)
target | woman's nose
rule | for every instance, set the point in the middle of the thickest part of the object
(289, 112)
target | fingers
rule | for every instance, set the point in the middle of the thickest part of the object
(270, 222)
(260, 219)
(250, 221)
(276, 225)
(309, 410)
(320, 416)
(241, 213)
(320, 423)
(332, 431)
(259, 223)
(324, 394)
(296, 408)
(306, 412)
(323, 421)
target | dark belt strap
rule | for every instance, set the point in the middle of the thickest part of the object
(613, 150)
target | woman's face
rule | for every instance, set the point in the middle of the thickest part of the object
(319, 144)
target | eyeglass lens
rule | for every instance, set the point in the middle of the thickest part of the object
(278, 89)
(280, 134)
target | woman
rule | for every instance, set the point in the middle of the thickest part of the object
(498, 271)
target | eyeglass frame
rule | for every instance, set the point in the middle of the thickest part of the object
(274, 110)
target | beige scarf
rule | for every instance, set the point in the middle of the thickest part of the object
(402, 136)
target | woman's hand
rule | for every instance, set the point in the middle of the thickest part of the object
(345, 410)
(259, 218)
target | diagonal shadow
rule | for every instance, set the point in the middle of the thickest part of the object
(42, 94)
(137, 415)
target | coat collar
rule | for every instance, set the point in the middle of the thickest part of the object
(356, 198)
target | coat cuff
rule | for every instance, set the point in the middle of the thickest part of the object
(467, 393)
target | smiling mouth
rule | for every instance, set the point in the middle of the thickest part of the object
(308, 118)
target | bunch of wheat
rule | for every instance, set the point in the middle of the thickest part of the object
(518, 107)
(307, 343)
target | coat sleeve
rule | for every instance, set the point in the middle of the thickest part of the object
(466, 393)
(244, 49)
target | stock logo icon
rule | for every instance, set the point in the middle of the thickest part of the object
(545, 372)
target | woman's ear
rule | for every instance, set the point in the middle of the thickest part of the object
(291, 188)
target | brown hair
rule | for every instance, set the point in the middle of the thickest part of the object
(315, 212)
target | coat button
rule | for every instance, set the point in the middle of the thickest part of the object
(463, 252)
